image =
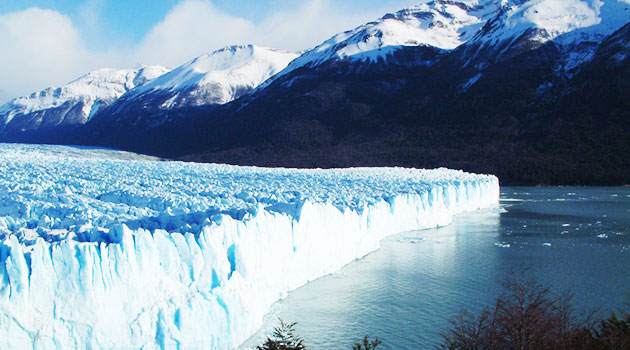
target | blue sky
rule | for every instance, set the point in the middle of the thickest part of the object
(50, 42)
(129, 19)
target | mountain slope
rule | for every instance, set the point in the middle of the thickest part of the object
(75, 103)
(565, 20)
(211, 79)
(438, 25)
(530, 108)
(218, 77)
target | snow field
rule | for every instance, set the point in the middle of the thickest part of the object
(91, 91)
(102, 249)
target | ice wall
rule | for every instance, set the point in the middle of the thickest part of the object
(100, 251)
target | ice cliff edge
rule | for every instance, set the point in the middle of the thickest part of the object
(102, 250)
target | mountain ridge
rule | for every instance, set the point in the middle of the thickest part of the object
(76, 102)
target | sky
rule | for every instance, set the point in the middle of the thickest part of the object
(47, 43)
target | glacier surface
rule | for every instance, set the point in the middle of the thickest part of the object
(106, 249)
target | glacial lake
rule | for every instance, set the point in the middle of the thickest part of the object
(570, 238)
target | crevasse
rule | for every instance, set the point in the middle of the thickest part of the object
(154, 288)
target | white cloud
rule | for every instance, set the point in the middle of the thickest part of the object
(188, 30)
(44, 48)
(40, 48)
(312, 23)
(197, 26)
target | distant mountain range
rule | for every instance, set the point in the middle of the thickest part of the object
(537, 92)
(114, 94)
(74, 104)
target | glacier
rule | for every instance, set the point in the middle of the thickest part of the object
(106, 249)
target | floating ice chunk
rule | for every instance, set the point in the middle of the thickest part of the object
(412, 240)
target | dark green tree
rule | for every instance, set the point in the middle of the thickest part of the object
(613, 333)
(366, 344)
(283, 338)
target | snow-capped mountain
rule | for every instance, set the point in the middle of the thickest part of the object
(500, 79)
(483, 31)
(213, 78)
(575, 27)
(438, 25)
(447, 24)
(76, 102)
(442, 24)
(567, 21)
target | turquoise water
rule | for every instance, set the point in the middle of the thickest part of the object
(404, 293)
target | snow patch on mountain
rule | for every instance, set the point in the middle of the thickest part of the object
(446, 25)
(441, 24)
(575, 27)
(217, 77)
(89, 93)
(564, 21)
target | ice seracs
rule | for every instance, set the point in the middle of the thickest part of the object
(101, 249)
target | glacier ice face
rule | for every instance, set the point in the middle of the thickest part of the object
(104, 249)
